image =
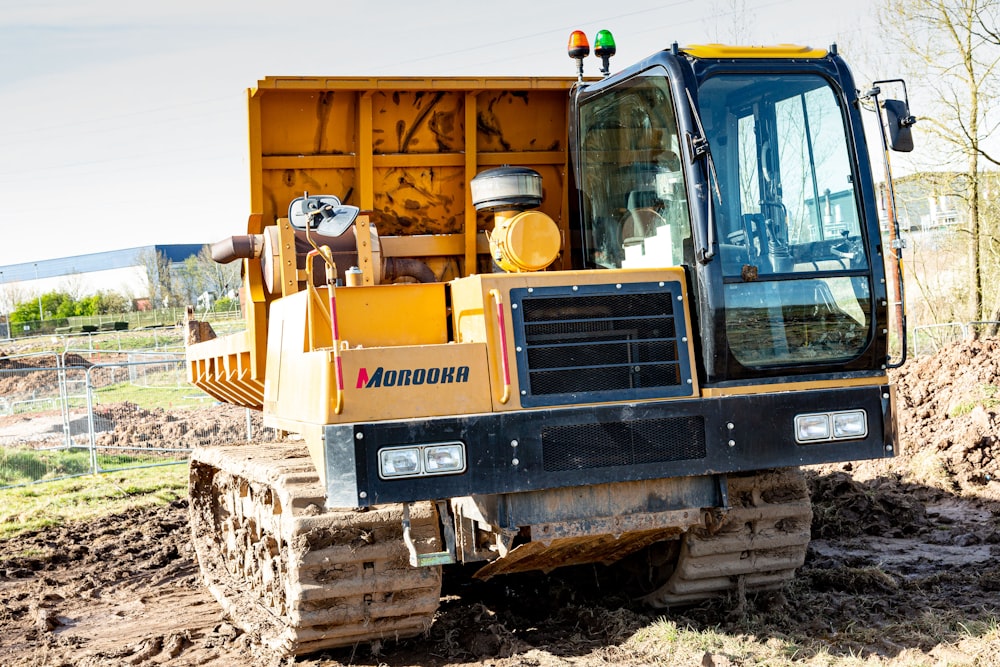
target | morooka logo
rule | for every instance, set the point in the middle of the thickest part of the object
(405, 377)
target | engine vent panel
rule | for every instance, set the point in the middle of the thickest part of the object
(600, 343)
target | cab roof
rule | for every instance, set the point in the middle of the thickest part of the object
(775, 51)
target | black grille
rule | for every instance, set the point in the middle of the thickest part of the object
(600, 343)
(584, 446)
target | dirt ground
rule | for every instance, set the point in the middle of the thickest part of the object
(898, 546)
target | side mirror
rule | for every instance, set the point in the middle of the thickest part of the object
(323, 214)
(899, 122)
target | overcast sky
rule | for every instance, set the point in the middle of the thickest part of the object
(123, 123)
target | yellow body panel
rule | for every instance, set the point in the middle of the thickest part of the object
(299, 389)
(774, 51)
(426, 380)
(387, 315)
(380, 384)
(419, 375)
(290, 377)
(395, 358)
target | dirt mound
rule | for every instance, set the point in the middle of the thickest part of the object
(36, 375)
(10, 361)
(125, 424)
(844, 507)
(949, 418)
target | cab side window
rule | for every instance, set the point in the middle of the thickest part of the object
(634, 198)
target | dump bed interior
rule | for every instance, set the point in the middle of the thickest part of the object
(405, 149)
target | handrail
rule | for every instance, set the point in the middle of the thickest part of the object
(338, 404)
(495, 294)
(896, 243)
(330, 317)
(314, 296)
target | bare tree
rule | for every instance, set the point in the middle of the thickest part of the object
(219, 278)
(953, 52)
(158, 274)
(733, 23)
(200, 273)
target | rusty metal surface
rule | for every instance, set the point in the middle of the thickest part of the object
(601, 523)
(547, 556)
(607, 507)
(316, 140)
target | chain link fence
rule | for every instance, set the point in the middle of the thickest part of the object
(62, 415)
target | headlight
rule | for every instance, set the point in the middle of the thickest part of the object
(827, 426)
(852, 424)
(399, 462)
(812, 427)
(445, 458)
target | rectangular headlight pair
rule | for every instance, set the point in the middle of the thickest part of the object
(826, 426)
(445, 458)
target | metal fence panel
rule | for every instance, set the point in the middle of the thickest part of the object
(145, 372)
(930, 338)
(97, 417)
(43, 415)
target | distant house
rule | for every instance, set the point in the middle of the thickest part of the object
(936, 200)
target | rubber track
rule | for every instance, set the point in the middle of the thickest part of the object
(296, 577)
(760, 543)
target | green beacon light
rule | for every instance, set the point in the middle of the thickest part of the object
(604, 48)
(578, 49)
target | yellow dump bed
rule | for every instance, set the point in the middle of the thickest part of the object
(405, 148)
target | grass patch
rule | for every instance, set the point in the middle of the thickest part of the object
(928, 638)
(87, 498)
(138, 341)
(986, 395)
(926, 467)
(151, 398)
(27, 466)
(665, 642)
(988, 628)
(24, 466)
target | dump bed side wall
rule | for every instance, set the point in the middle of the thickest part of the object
(405, 148)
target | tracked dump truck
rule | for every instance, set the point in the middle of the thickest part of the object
(527, 323)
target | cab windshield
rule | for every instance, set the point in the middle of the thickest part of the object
(790, 242)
